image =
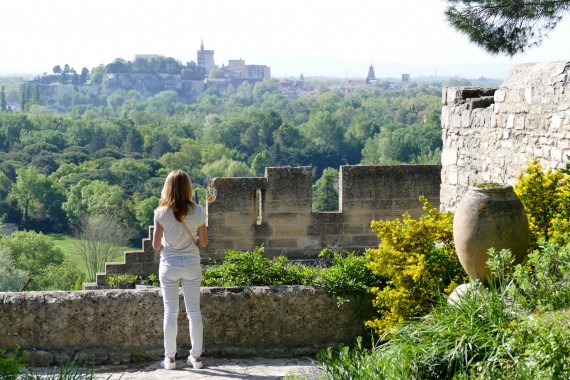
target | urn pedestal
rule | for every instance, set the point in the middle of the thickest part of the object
(489, 218)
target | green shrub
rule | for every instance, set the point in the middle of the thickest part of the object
(11, 365)
(34, 253)
(130, 281)
(542, 282)
(418, 259)
(151, 280)
(349, 279)
(348, 276)
(534, 348)
(252, 269)
(122, 281)
(66, 276)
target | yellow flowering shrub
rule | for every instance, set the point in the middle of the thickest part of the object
(419, 260)
(545, 196)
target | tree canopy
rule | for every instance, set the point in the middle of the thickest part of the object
(506, 26)
(106, 155)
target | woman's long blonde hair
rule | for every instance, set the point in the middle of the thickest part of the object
(177, 194)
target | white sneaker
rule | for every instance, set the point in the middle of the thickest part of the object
(168, 363)
(195, 362)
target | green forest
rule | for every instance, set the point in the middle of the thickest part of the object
(106, 159)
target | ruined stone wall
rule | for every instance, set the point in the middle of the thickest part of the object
(275, 211)
(117, 326)
(491, 134)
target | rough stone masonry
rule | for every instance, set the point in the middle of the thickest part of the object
(118, 326)
(491, 134)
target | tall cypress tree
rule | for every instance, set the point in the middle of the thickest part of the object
(36, 96)
(23, 92)
(3, 107)
(28, 93)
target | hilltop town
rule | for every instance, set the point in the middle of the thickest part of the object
(150, 74)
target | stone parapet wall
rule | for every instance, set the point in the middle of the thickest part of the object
(491, 134)
(117, 326)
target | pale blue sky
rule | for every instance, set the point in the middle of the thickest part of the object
(315, 37)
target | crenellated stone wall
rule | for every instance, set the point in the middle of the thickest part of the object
(276, 211)
(119, 326)
(491, 134)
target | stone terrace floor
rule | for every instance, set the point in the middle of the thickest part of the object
(214, 368)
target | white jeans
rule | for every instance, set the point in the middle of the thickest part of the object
(173, 271)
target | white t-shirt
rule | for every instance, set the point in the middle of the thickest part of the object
(175, 239)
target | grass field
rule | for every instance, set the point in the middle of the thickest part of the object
(67, 244)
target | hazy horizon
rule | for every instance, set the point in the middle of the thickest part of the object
(326, 38)
(352, 69)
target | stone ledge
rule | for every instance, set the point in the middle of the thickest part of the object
(287, 321)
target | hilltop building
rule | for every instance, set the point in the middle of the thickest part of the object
(205, 59)
(371, 78)
(405, 80)
(237, 69)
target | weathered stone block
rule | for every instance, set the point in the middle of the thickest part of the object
(289, 230)
(139, 256)
(284, 217)
(325, 229)
(368, 241)
(327, 217)
(282, 243)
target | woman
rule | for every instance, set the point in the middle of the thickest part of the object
(179, 232)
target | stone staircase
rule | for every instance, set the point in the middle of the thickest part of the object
(143, 263)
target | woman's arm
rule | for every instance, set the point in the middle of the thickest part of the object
(157, 236)
(202, 236)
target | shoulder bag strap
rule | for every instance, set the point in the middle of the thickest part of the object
(189, 233)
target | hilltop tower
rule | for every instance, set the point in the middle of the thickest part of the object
(371, 78)
(205, 58)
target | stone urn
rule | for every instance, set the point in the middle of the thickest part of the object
(489, 217)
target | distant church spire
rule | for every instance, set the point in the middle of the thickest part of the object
(371, 76)
(202, 44)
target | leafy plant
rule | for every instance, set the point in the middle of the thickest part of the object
(347, 363)
(252, 269)
(542, 283)
(345, 275)
(545, 196)
(11, 365)
(348, 277)
(151, 280)
(122, 281)
(418, 259)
